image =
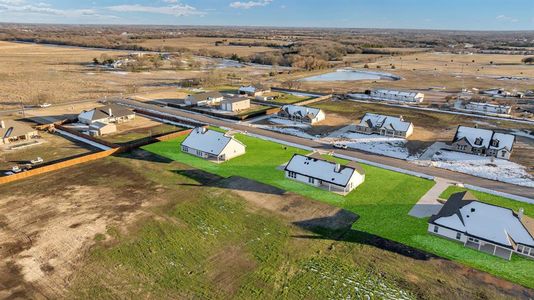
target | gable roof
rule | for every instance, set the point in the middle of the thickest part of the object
(405, 94)
(235, 99)
(471, 134)
(386, 122)
(322, 169)
(14, 128)
(301, 111)
(103, 112)
(209, 141)
(499, 225)
(253, 88)
(205, 96)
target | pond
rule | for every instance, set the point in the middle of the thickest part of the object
(351, 75)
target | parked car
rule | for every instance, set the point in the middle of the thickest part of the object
(16, 169)
(340, 146)
(38, 160)
(44, 105)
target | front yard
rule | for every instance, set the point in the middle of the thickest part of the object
(382, 202)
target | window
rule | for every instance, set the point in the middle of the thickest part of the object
(185, 148)
(436, 228)
(458, 236)
(495, 143)
(291, 174)
(520, 249)
(503, 154)
(311, 180)
(478, 141)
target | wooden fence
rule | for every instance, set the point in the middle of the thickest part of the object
(89, 157)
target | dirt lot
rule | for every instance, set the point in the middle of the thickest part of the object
(208, 43)
(49, 231)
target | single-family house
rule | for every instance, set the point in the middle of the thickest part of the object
(212, 145)
(384, 125)
(314, 170)
(111, 113)
(484, 142)
(497, 92)
(397, 96)
(484, 227)
(302, 114)
(489, 108)
(235, 104)
(14, 131)
(204, 99)
(254, 90)
(100, 128)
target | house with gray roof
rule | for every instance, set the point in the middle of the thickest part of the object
(111, 113)
(316, 171)
(212, 145)
(384, 125)
(302, 114)
(14, 131)
(484, 227)
(484, 142)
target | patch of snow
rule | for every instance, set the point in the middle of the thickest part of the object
(527, 134)
(290, 131)
(289, 123)
(481, 166)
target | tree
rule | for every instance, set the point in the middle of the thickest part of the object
(528, 60)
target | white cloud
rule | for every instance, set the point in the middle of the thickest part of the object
(177, 10)
(20, 7)
(504, 18)
(250, 4)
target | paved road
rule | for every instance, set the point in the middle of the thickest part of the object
(398, 163)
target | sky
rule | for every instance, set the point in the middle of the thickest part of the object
(410, 14)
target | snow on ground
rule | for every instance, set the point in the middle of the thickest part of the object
(481, 166)
(374, 143)
(527, 134)
(286, 130)
(288, 123)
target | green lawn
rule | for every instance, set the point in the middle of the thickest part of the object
(289, 98)
(382, 202)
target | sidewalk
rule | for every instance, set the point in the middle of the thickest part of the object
(428, 205)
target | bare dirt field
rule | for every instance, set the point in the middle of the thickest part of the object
(208, 43)
(91, 235)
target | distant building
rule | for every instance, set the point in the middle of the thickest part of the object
(254, 90)
(204, 99)
(397, 96)
(489, 108)
(13, 131)
(314, 170)
(106, 114)
(235, 104)
(483, 142)
(212, 145)
(484, 227)
(501, 93)
(302, 114)
(384, 125)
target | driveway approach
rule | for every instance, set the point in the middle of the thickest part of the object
(393, 162)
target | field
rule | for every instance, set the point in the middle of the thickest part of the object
(208, 43)
(382, 209)
(45, 69)
(139, 128)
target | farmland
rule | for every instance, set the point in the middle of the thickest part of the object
(206, 237)
(382, 209)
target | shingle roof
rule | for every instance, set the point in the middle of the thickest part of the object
(206, 140)
(382, 121)
(316, 167)
(14, 128)
(484, 136)
(205, 96)
(499, 225)
(103, 112)
(301, 111)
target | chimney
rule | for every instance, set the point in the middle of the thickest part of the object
(521, 213)
(109, 112)
(338, 168)
(2, 124)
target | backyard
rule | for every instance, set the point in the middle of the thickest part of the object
(382, 208)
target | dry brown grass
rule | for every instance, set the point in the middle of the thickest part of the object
(208, 43)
